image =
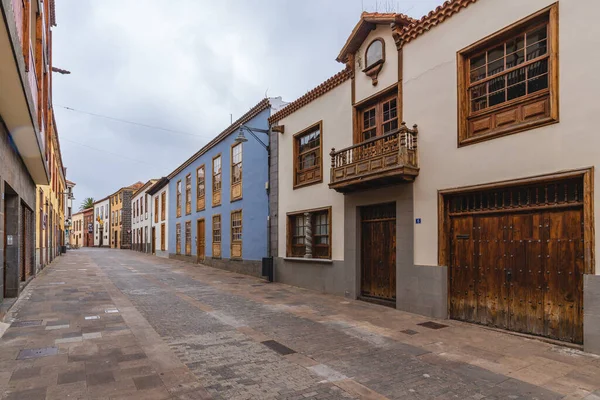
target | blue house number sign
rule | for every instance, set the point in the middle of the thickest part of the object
(418, 220)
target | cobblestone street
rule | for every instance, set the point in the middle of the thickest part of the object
(109, 324)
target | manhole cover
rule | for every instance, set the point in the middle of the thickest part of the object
(433, 325)
(23, 324)
(37, 353)
(278, 347)
(409, 332)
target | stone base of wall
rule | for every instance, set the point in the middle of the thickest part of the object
(423, 290)
(246, 267)
(325, 277)
(591, 313)
(163, 254)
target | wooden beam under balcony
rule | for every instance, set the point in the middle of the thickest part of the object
(380, 161)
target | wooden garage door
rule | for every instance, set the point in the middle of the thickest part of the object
(516, 259)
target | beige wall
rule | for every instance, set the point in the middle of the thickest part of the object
(335, 109)
(430, 100)
(77, 230)
(388, 75)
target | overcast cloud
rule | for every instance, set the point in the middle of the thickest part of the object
(185, 65)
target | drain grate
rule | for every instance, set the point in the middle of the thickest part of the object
(409, 332)
(24, 324)
(37, 353)
(433, 325)
(278, 347)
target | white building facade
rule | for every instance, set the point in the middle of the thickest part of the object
(141, 222)
(102, 223)
(68, 212)
(493, 189)
(159, 216)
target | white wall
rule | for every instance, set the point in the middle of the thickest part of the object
(430, 100)
(160, 222)
(105, 205)
(335, 109)
(142, 221)
(388, 75)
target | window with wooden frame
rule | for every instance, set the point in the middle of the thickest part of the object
(216, 183)
(162, 236)
(378, 119)
(200, 188)
(146, 204)
(141, 208)
(236, 172)
(156, 210)
(216, 236)
(178, 199)
(188, 194)
(508, 82)
(312, 226)
(188, 238)
(308, 156)
(163, 205)
(178, 238)
(236, 234)
(374, 59)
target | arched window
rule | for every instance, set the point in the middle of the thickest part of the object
(375, 53)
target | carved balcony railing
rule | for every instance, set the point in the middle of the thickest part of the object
(383, 160)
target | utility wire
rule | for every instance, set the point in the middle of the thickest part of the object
(108, 152)
(129, 122)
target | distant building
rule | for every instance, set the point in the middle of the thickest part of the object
(77, 230)
(102, 223)
(159, 216)
(88, 228)
(141, 222)
(120, 225)
(218, 209)
(68, 196)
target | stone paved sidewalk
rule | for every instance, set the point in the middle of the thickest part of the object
(118, 324)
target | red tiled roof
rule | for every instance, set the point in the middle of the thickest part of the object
(366, 23)
(311, 95)
(52, 13)
(434, 18)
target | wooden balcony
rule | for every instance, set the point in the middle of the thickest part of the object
(377, 162)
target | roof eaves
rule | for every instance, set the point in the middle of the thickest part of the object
(161, 183)
(434, 18)
(253, 112)
(366, 23)
(312, 95)
(146, 185)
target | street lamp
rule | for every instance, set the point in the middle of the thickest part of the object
(241, 138)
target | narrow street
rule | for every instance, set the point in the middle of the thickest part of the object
(110, 324)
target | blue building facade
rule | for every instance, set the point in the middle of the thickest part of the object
(218, 199)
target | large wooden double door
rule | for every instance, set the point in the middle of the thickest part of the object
(378, 252)
(520, 270)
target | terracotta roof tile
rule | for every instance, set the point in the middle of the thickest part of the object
(52, 13)
(311, 95)
(365, 25)
(434, 18)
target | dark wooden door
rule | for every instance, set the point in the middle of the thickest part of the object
(521, 271)
(201, 242)
(378, 252)
(153, 240)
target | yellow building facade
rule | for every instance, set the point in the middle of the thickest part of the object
(50, 206)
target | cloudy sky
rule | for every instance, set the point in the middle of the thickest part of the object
(184, 65)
